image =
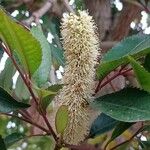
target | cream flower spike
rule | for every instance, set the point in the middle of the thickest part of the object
(81, 47)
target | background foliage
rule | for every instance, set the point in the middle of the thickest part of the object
(122, 83)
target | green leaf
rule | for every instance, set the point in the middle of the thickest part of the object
(62, 118)
(135, 46)
(142, 75)
(49, 94)
(55, 87)
(120, 129)
(7, 74)
(41, 76)
(45, 97)
(128, 105)
(54, 26)
(80, 4)
(145, 145)
(13, 138)
(106, 68)
(41, 143)
(102, 124)
(21, 90)
(57, 53)
(8, 103)
(2, 144)
(147, 63)
(20, 40)
(1, 52)
(145, 128)
(3, 123)
(52, 90)
(132, 45)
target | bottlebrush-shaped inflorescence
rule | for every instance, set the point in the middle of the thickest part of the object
(80, 43)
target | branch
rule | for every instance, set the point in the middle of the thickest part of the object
(139, 4)
(27, 83)
(67, 6)
(28, 121)
(122, 26)
(43, 10)
(39, 13)
(120, 72)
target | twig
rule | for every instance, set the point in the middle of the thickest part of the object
(39, 13)
(67, 6)
(116, 75)
(28, 121)
(120, 72)
(6, 49)
(44, 9)
(25, 115)
(49, 126)
(111, 84)
(98, 86)
(27, 83)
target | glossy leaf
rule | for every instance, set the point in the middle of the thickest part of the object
(7, 74)
(41, 76)
(50, 93)
(57, 53)
(147, 63)
(45, 97)
(13, 138)
(21, 90)
(55, 87)
(102, 124)
(62, 118)
(54, 25)
(128, 105)
(142, 75)
(135, 46)
(145, 145)
(1, 52)
(20, 41)
(80, 4)
(8, 103)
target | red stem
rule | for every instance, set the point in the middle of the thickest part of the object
(111, 84)
(27, 83)
(120, 72)
(109, 80)
(98, 87)
(28, 121)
